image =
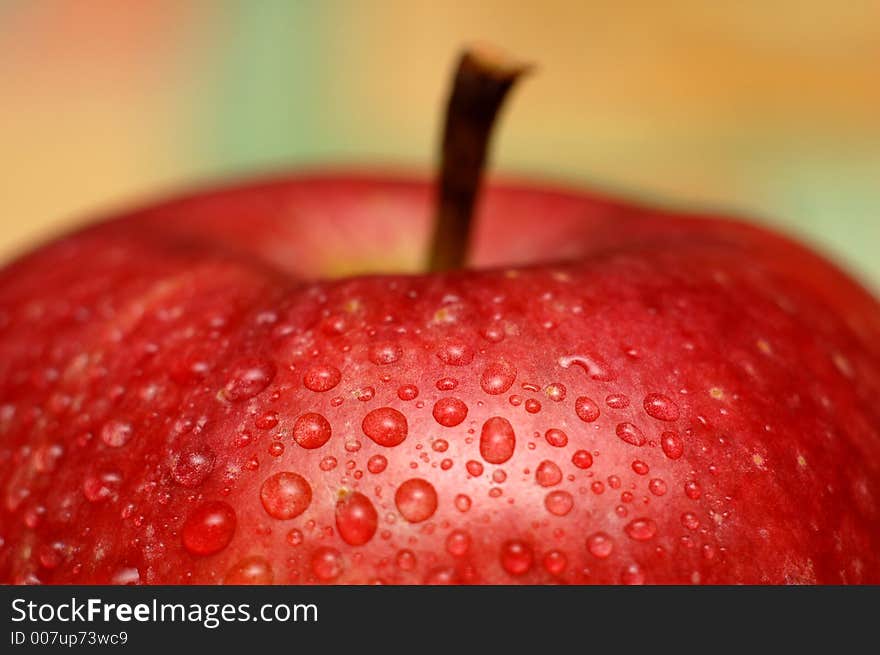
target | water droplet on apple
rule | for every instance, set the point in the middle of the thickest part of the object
(416, 500)
(548, 474)
(462, 502)
(408, 392)
(555, 562)
(497, 377)
(497, 440)
(209, 528)
(376, 464)
(641, 529)
(446, 384)
(385, 353)
(516, 557)
(128, 575)
(267, 421)
(556, 438)
(406, 560)
(193, 467)
(101, 486)
(493, 333)
(441, 575)
(533, 406)
(248, 378)
(51, 555)
(254, 570)
(285, 495)
(47, 456)
(693, 490)
(334, 325)
(639, 467)
(321, 377)
(672, 445)
(582, 459)
(295, 537)
(356, 518)
(458, 543)
(555, 391)
(328, 463)
(632, 575)
(450, 412)
(657, 487)
(311, 430)
(474, 467)
(326, 563)
(33, 516)
(594, 366)
(365, 394)
(586, 409)
(116, 433)
(690, 521)
(558, 503)
(661, 407)
(631, 434)
(456, 353)
(617, 401)
(385, 426)
(600, 545)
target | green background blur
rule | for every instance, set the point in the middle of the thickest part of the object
(768, 109)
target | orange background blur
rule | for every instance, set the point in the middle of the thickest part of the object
(770, 109)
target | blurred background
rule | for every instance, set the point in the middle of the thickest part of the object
(767, 109)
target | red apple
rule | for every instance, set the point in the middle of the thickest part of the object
(215, 389)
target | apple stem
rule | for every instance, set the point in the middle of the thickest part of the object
(482, 80)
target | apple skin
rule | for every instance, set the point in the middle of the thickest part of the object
(650, 397)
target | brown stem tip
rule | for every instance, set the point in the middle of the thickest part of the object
(482, 80)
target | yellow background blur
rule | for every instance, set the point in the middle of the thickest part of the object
(770, 109)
